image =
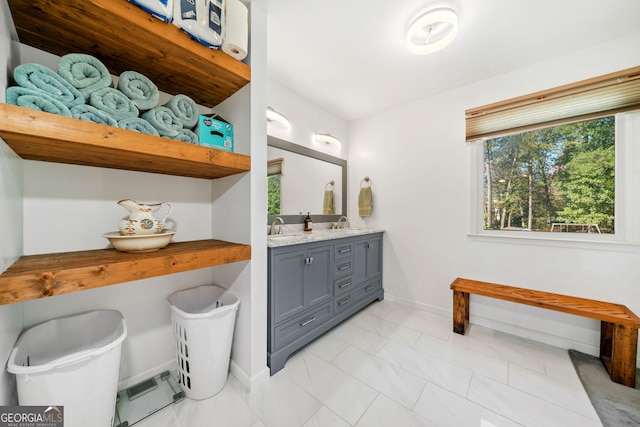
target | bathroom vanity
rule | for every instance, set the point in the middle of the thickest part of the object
(317, 280)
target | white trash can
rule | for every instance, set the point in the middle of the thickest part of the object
(203, 320)
(72, 362)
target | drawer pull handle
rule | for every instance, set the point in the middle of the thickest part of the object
(368, 288)
(308, 321)
(344, 251)
(344, 301)
(344, 267)
(344, 285)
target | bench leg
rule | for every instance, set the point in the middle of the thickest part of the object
(460, 312)
(618, 349)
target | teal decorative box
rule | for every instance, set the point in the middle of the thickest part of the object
(215, 132)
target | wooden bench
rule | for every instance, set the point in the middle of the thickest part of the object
(618, 325)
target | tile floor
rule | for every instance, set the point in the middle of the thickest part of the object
(395, 366)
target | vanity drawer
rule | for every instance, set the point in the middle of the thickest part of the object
(301, 325)
(343, 267)
(367, 289)
(344, 250)
(342, 285)
(343, 302)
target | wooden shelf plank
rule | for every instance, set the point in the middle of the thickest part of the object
(41, 276)
(125, 37)
(35, 135)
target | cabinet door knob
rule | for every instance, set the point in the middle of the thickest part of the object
(370, 246)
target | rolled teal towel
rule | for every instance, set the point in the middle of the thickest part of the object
(163, 119)
(185, 135)
(36, 100)
(36, 76)
(139, 125)
(113, 102)
(85, 72)
(92, 114)
(142, 91)
(185, 109)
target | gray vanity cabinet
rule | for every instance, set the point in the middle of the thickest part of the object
(302, 280)
(315, 286)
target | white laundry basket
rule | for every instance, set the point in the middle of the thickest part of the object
(72, 362)
(203, 320)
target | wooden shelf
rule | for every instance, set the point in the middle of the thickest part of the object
(35, 135)
(125, 37)
(40, 276)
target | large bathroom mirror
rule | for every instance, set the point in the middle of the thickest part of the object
(301, 180)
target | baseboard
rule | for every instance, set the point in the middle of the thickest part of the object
(250, 383)
(419, 305)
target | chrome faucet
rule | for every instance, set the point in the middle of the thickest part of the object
(276, 230)
(340, 223)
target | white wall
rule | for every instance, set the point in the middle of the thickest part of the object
(306, 118)
(10, 211)
(419, 165)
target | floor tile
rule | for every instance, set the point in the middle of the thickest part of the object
(358, 337)
(389, 379)
(386, 329)
(279, 402)
(340, 392)
(225, 409)
(447, 409)
(522, 407)
(324, 417)
(384, 412)
(453, 377)
(551, 389)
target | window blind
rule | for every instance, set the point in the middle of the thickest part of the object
(589, 99)
(274, 167)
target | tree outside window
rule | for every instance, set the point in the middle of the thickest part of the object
(552, 179)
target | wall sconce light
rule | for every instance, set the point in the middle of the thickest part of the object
(432, 31)
(326, 138)
(274, 116)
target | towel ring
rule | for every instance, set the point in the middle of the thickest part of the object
(366, 180)
(330, 184)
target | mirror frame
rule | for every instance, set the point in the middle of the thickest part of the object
(308, 152)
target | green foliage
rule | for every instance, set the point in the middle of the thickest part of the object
(273, 195)
(560, 174)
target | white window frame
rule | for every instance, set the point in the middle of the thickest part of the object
(627, 195)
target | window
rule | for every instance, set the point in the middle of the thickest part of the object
(559, 161)
(274, 190)
(556, 179)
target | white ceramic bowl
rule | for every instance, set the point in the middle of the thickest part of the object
(139, 243)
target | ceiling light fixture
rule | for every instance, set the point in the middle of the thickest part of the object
(327, 138)
(432, 31)
(274, 116)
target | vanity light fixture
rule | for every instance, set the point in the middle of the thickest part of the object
(274, 116)
(432, 31)
(326, 138)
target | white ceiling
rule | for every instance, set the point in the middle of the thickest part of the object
(350, 58)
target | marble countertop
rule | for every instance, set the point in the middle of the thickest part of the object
(296, 238)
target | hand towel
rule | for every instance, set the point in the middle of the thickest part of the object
(36, 76)
(138, 125)
(185, 109)
(85, 72)
(328, 206)
(142, 91)
(365, 202)
(113, 102)
(185, 135)
(92, 114)
(36, 100)
(163, 119)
